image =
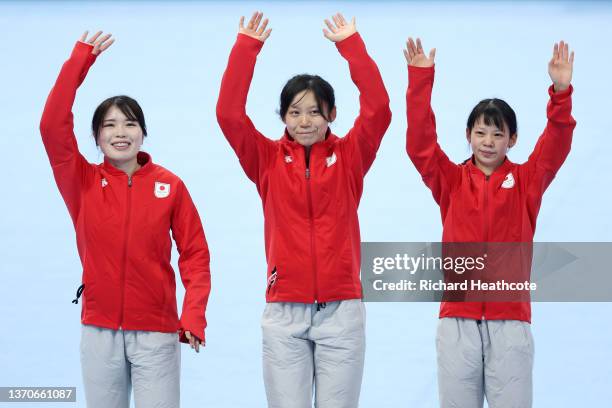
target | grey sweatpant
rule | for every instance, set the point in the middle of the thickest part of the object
(114, 361)
(306, 348)
(478, 358)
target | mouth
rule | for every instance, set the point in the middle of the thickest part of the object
(121, 145)
(487, 153)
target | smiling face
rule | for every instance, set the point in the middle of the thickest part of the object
(306, 124)
(489, 144)
(119, 137)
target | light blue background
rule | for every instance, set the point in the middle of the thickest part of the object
(171, 56)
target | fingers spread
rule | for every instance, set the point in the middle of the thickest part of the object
(252, 20)
(330, 26)
(266, 34)
(95, 37)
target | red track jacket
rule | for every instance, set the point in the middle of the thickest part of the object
(311, 226)
(122, 226)
(476, 208)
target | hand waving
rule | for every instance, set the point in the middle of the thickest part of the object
(416, 57)
(100, 43)
(253, 29)
(340, 30)
(561, 66)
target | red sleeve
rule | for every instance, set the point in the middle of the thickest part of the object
(70, 168)
(437, 171)
(374, 113)
(193, 263)
(251, 147)
(554, 144)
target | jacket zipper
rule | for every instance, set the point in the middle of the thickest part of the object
(312, 235)
(486, 229)
(125, 245)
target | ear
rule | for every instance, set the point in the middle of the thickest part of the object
(332, 115)
(512, 141)
(467, 135)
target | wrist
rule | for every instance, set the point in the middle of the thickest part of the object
(560, 87)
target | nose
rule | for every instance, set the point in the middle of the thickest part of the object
(305, 121)
(488, 140)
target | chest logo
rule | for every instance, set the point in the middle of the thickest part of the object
(508, 181)
(162, 190)
(288, 159)
(331, 160)
(104, 183)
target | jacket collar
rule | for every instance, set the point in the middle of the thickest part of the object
(143, 158)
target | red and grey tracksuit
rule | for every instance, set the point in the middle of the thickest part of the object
(502, 207)
(123, 227)
(311, 226)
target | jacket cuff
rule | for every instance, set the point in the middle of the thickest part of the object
(194, 332)
(248, 42)
(350, 44)
(558, 97)
(83, 50)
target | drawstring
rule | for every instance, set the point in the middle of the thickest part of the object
(78, 294)
(321, 306)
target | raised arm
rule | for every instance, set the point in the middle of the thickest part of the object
(251, 147)
(57, 127)
(437, 171)
(194, 268)
(554, 144)
(374, 113)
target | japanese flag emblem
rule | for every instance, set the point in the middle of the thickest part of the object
(162, 190)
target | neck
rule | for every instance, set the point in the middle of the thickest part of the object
(486, 170)
(128, 167)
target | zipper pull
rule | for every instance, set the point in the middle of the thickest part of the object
(129, 181)
(307, 173)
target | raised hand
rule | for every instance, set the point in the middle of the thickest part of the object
(253, 29)
(416, 57)
(100, 43)
(340, 30)
(561, 66)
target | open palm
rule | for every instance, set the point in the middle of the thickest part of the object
(253, 28)
(340, 29)
(100, 44)
(561, 66)
(415, 56)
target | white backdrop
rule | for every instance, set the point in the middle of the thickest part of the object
(171, 56)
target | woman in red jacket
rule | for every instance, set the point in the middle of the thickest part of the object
(486, 348)
(310, 183)
(123, 211)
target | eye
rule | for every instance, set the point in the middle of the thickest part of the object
(131, 124)
(499, 135)
(315, 112)
(479, 132)
(108, 125)
(294, 113)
